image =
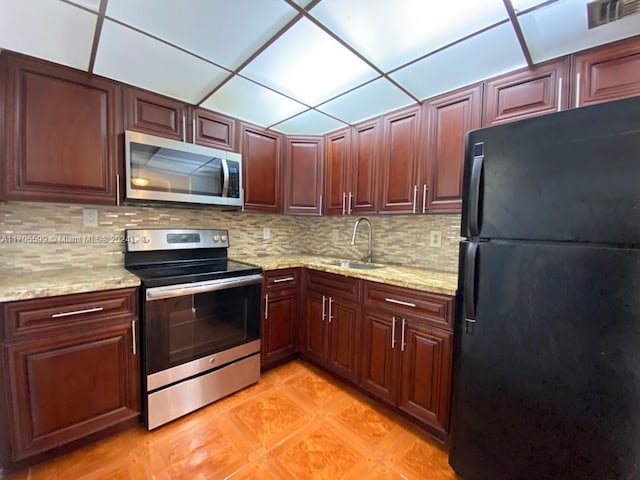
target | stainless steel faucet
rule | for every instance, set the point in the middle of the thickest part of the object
(369, 256)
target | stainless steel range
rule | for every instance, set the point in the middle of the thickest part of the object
(200, 319)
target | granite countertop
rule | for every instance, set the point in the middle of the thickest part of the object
(49, 283)
(433, 281)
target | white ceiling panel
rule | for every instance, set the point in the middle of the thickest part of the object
(225, 32)
(308, 65)
(367, 101)
(90, 4)
(491, 53)
(137, 59)
(48, 29)
(522, 5)
(561, 28)
(310, 122)
(302, 3)
(243, 99)
(391, 33)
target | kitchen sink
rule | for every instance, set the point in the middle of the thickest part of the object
(355, 265)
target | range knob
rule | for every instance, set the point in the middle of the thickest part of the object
(223, 238)
(216, 238)
(146, 239)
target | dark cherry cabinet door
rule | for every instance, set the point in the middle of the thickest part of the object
(337, 162)
(262, 169)
(378, 370)
(149, 112)
(69, 386)
(344, 339)
(449, 118)
(279, 326)
(607, 73)
(400, 158)
(60, 133)
(303, 180)
(426, 373)
(213, 129)
(526, 93)
(362, 196)
(315, 321)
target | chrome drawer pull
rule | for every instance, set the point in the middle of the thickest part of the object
(280, 280)
(400, 302)
(77, 312)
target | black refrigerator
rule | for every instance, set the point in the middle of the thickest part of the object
(547, 347)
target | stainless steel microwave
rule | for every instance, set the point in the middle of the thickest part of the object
(166, 170)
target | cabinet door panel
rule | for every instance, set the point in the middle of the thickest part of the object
(400, 161)
(314, 327)
(214, 130)
(336, 172)
(426, 374)
(303, 175)
(365, 165)
(279, 332)
(69, 386)
(450, 117)
(378, 356)
(344, 330)
(262, 172)
(149, 112)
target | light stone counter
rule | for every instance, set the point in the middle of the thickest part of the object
(49, 283)
(417, 278)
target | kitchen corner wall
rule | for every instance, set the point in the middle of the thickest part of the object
(46, 236)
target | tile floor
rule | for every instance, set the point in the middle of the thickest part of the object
(296, 423)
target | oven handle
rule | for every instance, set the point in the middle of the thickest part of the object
(159, 293)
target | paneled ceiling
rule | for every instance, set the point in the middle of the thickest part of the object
(301, 66)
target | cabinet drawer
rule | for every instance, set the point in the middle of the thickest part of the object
(334, 285)
(48, 315)
(436, 309)
(281, 279)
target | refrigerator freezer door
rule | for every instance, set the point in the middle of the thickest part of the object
(547, 380)
(570, 176)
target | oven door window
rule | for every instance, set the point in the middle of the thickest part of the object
(180, 329)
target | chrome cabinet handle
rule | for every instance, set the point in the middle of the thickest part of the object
(393, 333)
(415, 197)
(559, 94)
(403, 344)
(350, 198)
(193, 133)
(286, 279)
(424, 198)
(77, 312)
(320, 208)
(133, 337)
(184, 127)
(400, 302)
(578, 89)
(266, 307)
(118, 189)
(324, 315)
(330, 313)
(344, 202)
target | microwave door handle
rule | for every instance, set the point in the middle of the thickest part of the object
(225, 177)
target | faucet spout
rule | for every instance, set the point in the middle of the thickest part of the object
(369, 256)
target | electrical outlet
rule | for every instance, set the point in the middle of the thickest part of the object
(266, 233)
(89, 217)
(435, 238)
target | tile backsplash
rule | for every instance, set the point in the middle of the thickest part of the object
(45, 236)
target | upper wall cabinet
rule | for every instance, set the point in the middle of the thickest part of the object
(262, 169)
(61, 133)
(365, 168)
(607, 73)
(449, 118)
(528, 92)
(400, 158)
(304, 160)
(337, 171)
(155, 114)
(213, 129)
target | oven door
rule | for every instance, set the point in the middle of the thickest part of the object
(195, 327)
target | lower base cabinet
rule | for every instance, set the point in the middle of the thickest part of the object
(70, 368)
(280, 316)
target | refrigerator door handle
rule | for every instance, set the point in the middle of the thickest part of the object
(470, 284)
(474, 189)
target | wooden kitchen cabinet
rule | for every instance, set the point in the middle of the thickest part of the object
(365, 168)
(155, 114)
(61, 131)
(337, 172)
(407, 352)
(526, 93)
(401, 156)
(262, 169)
(607, 73)
(213, 129)
(448, 117)
(280, 317)
(332, 323)
(303, 175)
(70, 367)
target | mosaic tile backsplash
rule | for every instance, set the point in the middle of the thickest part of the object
(45, 236)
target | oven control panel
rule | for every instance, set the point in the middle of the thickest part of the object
(174, 239)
